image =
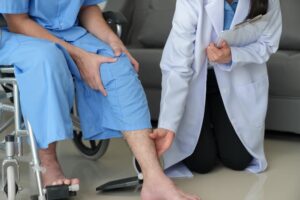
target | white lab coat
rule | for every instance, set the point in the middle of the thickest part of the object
(243, 84)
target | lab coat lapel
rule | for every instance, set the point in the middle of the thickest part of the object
(215, 12)
(241, 12)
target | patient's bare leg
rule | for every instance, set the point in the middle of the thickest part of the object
(156, 186)
(53, 174)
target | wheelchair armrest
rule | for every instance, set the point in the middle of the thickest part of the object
(116, 21)
(6, 69)
(114, 18)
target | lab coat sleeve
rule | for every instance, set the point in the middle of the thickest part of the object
(92, 2)
(176, 64)
(267, 44)
(14, 6)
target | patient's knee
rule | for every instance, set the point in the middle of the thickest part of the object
(121, 71)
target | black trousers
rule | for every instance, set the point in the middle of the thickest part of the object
(218, 139)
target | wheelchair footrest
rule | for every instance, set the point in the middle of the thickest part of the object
(59, 192)
(121, 184)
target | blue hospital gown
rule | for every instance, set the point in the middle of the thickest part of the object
(48, 77)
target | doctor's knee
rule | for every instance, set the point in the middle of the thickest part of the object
(237, 163)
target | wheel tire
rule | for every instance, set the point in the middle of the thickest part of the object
(92, 149)
(11, 183)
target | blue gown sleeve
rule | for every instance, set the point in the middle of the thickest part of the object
(92, 2)
(14, 6)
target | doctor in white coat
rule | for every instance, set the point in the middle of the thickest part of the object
(240, 74)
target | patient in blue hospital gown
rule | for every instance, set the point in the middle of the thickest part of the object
(56, 59)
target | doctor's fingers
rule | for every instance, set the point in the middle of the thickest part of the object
(168, 140)
(211, 55)
(218, 52)
(161, 132)
(153, 136)
(157, 134)
(225, 45)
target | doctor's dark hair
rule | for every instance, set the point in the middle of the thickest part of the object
(258, 7)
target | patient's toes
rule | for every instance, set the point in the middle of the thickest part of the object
(54, 183)
(67, 181)
(75, 181)
(59, 182)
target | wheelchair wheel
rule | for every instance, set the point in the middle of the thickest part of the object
(11, 187)
(91, 149)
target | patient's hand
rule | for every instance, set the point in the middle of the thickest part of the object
(88, 65)
(163, 139)
(221, 55)
(119, 48)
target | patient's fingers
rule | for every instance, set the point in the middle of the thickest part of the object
(97, 77)
(117, 50)
(133, 61)
(100, 85)
(103, 59)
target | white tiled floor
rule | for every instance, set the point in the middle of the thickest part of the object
(280, 182)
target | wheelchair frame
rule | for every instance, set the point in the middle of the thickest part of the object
(19, 132)
(14, 147)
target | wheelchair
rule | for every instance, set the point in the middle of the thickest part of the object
(13, 143)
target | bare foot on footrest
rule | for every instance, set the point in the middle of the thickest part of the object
(53, 174)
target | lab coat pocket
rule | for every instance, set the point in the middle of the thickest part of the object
(253, 101)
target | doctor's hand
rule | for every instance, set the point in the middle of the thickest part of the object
(163, 140)
(119, 48)
(221, 55)
(89, 67)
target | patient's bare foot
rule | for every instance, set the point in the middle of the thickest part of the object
(163, 188)
(53, 174)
